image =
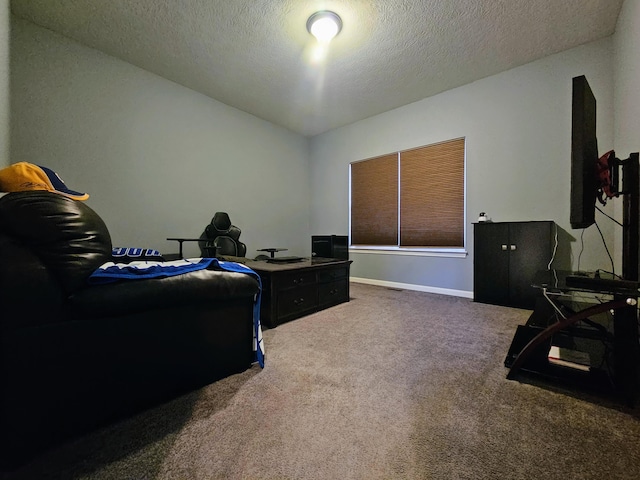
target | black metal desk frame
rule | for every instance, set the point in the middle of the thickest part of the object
(182, 240)
(625, 338)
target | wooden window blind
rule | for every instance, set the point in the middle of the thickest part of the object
(413, 198)
(374, 201)
(432, 195)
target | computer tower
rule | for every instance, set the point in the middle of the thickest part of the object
(330, 246)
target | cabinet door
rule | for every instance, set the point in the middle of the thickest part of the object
(491, 263)
(530, 251)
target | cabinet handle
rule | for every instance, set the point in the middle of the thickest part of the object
(298, 302)
(504, 248)
(513, 247)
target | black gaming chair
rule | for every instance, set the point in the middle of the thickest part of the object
(221, 238)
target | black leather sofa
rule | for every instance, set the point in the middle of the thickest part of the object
(75, 356)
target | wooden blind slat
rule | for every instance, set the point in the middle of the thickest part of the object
(374, 201)
(432, 195)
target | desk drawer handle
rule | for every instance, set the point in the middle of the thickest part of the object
(298, 301)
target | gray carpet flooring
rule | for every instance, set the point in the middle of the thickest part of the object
(392, 385)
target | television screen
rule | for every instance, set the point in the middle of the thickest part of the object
(584, 155)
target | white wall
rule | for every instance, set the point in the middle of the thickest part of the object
(627, 79)
(626, 89)
(157, 159)
(517, 126)
(4, 83)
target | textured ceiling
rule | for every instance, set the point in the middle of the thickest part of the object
(257, 56)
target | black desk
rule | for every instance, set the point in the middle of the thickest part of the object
(292, 290)
(618, 297)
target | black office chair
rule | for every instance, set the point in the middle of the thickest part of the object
(221, 238)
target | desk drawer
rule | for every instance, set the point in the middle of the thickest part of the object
(296, 300)
(333, 274)
(333, 293)
(296, 279)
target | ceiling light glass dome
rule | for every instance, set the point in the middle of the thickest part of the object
(324, 25)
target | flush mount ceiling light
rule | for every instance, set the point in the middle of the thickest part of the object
(324, 25)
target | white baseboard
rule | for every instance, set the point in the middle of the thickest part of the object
(410, 286)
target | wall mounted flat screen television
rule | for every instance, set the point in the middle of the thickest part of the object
(584, 155)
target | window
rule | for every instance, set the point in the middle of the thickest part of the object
(413, 198)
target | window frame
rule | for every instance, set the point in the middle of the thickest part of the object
(424, 251)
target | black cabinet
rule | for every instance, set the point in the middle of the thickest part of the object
(506, 257)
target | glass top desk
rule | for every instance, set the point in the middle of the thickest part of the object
(606, 294)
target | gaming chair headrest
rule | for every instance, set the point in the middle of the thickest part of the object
(221, 221)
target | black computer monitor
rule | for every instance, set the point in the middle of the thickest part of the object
(330, 246)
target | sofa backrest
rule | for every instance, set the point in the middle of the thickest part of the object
(68, 237)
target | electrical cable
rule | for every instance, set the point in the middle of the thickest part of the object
(609, 216)
(555, 248)
(581, 247)
(605, 247)
(552, 303)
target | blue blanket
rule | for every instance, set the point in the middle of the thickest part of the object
(113, 272)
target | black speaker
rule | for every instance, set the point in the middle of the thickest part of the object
(330, 246)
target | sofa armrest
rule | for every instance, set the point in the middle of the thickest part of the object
(68, 237)
(29, 293)
(131, 296)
